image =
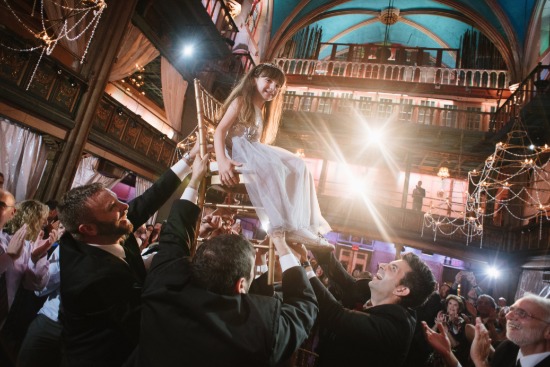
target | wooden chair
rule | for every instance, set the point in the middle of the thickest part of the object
(208, 108)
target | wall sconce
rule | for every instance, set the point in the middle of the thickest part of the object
(443, 172)
(300, 153)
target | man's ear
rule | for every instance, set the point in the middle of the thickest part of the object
(87, 230)
(401, 291)
(240, 286)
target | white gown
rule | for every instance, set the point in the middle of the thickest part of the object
(278, 182)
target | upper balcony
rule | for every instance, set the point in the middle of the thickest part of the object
(394, 68)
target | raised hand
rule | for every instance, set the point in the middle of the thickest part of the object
(440, 342)
(17, 242)
(226, 169)
(40, 247)
(200, 166)
(481, 345)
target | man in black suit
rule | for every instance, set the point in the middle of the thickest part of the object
(102, 272)
(380, 335)
(198, 312)
(527, 330)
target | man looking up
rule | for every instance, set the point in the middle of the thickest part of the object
(380, 335)
(102, 272)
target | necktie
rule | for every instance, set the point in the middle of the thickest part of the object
(518, 363)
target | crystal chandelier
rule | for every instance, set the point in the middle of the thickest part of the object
(514, 181)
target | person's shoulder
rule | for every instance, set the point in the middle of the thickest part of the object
(393, 310)
(237, 103)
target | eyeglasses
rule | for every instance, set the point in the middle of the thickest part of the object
(4, 205)
(522, 314)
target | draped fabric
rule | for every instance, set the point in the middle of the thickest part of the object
(22, 159)
(136, 49)
(173, 93)
(87, 174)
(531, 281)
(142, 185)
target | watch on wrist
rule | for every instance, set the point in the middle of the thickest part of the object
(305, 264)
(187, 158)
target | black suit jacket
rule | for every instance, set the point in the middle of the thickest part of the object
(100, 293)
(507, 353)
(184, 324)
(378, 336)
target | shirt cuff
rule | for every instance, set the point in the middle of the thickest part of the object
(191, 194)
(181, 169)
(288, 261)
(311, 274)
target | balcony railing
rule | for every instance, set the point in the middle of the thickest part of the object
(525, 92)
(496, 79)
(219, 12)
(406, 223)
(425, 115)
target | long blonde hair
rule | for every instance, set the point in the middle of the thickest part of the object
(33, 213)
(272, 110)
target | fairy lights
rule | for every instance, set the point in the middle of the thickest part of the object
(74, 23)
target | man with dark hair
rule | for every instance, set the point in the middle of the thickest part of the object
(101, 269)
(382, 333)
(199, 312)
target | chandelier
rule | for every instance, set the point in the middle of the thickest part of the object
(77, 18)
(514, 182)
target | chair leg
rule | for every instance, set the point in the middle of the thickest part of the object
(271, 263)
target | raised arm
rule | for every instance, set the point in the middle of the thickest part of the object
(299, 308)
(226, 166)
(179, 229)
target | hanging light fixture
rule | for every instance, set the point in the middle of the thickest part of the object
(84, 16)
(443, 172)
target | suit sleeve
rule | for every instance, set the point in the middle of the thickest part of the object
(377, 331)
(145, 205)
(297, 316)
(178, 233)
(353, 291)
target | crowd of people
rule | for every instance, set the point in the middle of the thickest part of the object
(85, 282)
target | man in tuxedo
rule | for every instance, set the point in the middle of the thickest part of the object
(102, 272)
(527, 330)
(199, 312)
(379, 335)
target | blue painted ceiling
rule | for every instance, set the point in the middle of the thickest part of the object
(422, 23)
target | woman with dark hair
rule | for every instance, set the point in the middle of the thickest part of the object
(455, 328)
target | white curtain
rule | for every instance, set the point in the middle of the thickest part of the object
(136, 49)
(142, 185)
(87, 174)
(173, 93)
(22, 159)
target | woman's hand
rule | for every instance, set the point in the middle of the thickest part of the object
(40, 247)
(226, 169)
(17, 242)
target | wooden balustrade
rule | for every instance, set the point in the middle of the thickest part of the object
(426, 115)
(495, 79)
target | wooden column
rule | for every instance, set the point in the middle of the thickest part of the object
(101, 56)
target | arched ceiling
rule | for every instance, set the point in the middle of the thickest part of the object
(422, 23)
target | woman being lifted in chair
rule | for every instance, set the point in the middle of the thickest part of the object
(278, 183)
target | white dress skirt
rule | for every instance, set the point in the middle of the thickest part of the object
(278, 183)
